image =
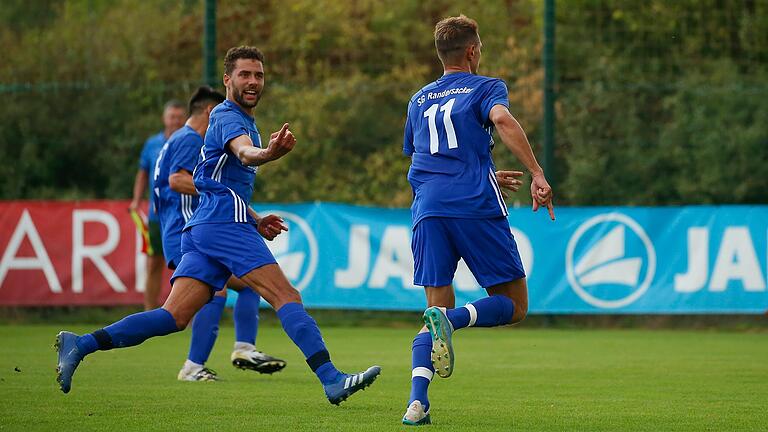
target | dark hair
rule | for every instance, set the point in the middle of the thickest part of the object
(174, 103)
(454, 34)
(203, 97)
(241, 52)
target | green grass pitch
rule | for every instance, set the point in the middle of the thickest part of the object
(505, 379)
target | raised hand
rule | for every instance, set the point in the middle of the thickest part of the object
(280, 143)
(541, 193)
(271, 226)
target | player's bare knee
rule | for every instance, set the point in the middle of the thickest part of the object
(182, 324)
(181, 316)
(183, 320)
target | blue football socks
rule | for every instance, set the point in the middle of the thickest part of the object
(490, 311)
(421, 369)
(205, 330)
(246, 316)
(129, 331)
(303, 331)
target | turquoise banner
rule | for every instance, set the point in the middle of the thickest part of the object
(591, 260)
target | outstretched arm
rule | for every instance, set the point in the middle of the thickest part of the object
(280, 143)
(514, 138)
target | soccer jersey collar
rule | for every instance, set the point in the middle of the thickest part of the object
(231, 104)
(453, 75)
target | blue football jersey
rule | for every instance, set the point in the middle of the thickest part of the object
(174, 209)
(147, 162)
(449, 138)
(225, 185)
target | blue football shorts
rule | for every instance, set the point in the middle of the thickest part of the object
(487, 246)
(172, 257)
(215, 251)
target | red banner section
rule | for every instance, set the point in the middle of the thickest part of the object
(70, 253)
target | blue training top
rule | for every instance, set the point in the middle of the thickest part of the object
(449, 138)
(147, 161)
(225, 185)
(174, 209)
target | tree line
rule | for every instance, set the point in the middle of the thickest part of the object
(658, 103)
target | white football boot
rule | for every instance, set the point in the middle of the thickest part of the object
(415, 415)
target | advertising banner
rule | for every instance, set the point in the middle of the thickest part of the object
(591, 260)
(57, 253)
(698, 259)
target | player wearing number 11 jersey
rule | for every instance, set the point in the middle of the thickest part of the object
(458, 210)
(449, 140)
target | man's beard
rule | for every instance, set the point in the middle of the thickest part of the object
(241, 101)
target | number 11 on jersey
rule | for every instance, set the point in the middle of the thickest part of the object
(431, 114)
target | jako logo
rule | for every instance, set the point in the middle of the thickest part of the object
(295, 250)
(608, 265)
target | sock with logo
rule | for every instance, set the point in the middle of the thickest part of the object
(492, 311)
(246, 316)
(205, 330)
(129, 331)
(303, 331)
(421, 369)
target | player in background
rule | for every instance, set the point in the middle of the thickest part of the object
(222, 238)
(175, 199)
(174, 114)
(458, 210)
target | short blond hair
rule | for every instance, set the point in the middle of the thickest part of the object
(454, 34)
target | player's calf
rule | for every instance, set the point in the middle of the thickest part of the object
(517, 292)
(492, 311)
(521, 311)
(187, 297)
(270, 282)
(274, 287)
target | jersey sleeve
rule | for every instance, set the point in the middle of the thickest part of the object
(496, 95)
(145, 160)
(408, 147)
(231, 126)
(187, 154)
